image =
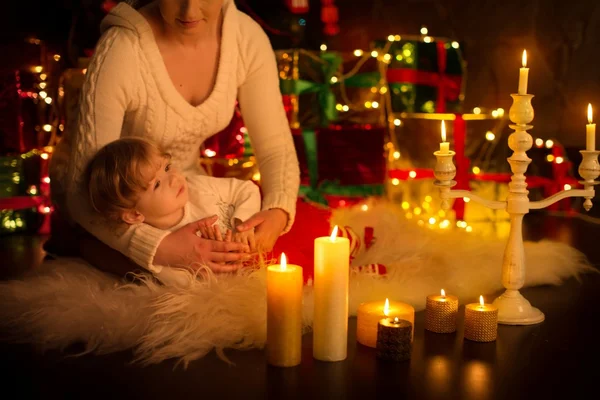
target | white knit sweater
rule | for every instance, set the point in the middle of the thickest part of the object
(128, 92)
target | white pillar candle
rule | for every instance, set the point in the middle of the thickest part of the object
(444, 146)
(284, 314)
(590, 131)
(332, 272)
(523, 75)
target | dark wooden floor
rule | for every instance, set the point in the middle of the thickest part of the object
(559, 358)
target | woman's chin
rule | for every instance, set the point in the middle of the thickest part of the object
(190, 27)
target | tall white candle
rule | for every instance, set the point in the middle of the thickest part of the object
(444, 146)
(284, 314)
(523, 75)
(590, 131)
(330, 322)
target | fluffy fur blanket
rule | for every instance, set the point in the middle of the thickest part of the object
(68, 301)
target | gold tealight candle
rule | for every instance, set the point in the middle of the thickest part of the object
(440, 313)
(481, 322)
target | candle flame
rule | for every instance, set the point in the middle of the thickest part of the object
(396, 320)
(481, 301)
(334, 233)
(590, 114)
(524, 58)
(443, 131)
(443, 293)
(386, 307)
(283, 262)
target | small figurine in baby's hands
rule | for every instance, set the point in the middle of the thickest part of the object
(213, 232)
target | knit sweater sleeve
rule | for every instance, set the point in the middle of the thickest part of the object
(268, 128)
(109, 89)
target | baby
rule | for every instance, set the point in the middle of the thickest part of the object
(132, 181)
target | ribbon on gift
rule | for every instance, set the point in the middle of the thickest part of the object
(448, 86)
(334, 188)
(326, 97)
(363, 80)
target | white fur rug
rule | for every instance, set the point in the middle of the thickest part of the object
(68, 301)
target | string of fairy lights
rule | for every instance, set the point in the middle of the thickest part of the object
(378, 99)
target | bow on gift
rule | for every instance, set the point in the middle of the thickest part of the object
(448, 85)
(329, 65)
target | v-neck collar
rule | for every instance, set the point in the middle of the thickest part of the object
(165, 85)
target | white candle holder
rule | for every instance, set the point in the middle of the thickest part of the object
(513, 308)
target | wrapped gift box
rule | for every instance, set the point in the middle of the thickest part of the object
(425, 77)
(341, 163)
(315, 91)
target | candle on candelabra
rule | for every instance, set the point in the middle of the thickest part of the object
(444, 146)
(394, 339)
(481, 322)
(284, 314)
(331, 276)
(590, 131)
(440, 313)
(523, 75)
(369, 314)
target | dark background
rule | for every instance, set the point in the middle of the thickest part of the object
(562, 39)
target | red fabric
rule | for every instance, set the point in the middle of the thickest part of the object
(313, 221)
(298, 244)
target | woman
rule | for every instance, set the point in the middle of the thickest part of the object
(172, 71)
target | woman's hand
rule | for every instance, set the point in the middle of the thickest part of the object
(184, 247)
(268, 226)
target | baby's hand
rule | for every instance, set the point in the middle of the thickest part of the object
(246, 237)
(214, 233)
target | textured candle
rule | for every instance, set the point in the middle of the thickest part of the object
(590, 131)
(394, 339)
(332, 272)
(481, 322)
(440, 313)
(369, 315)
(284, 314)
(523, 75)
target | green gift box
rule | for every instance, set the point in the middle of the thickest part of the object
(425, 75)
(11, 179)
(306, 86)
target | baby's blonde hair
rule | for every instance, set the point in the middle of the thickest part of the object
(115, 175)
